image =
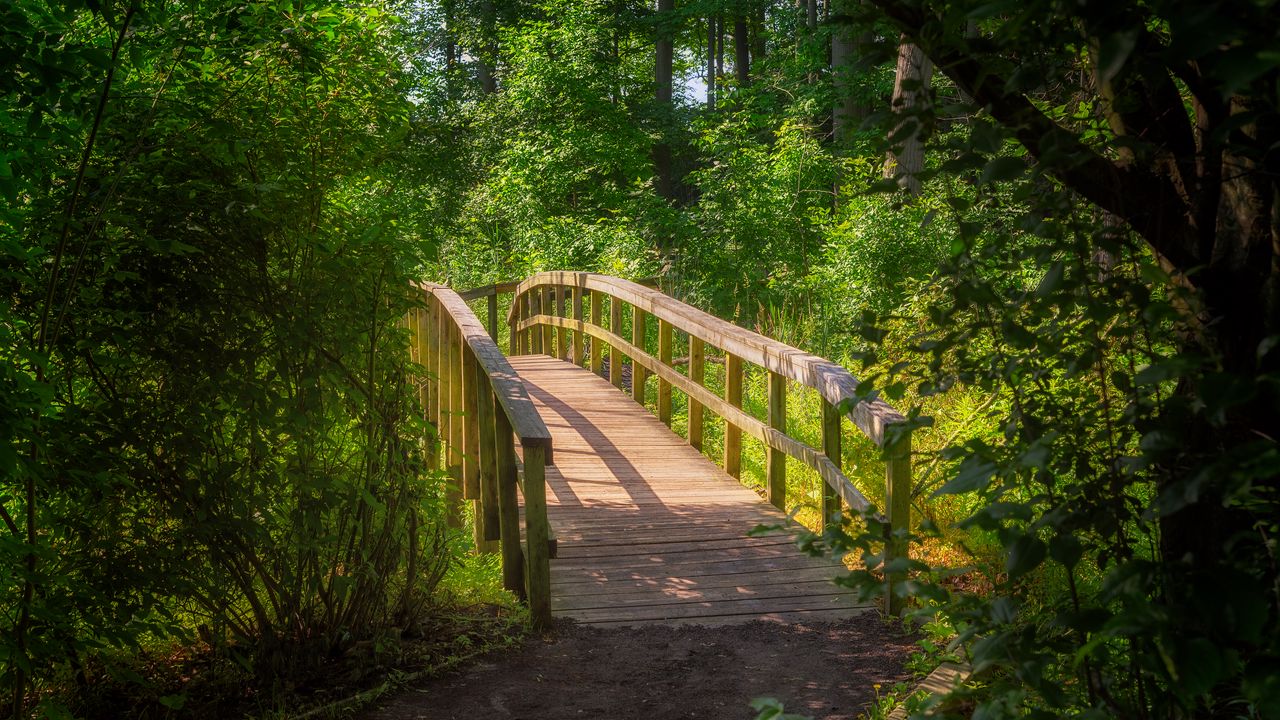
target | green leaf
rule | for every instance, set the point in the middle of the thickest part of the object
(1002, 169)
(1025, 554)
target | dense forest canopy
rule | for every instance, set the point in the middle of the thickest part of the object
(1050, 231)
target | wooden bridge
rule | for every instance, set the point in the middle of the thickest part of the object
(601, 511)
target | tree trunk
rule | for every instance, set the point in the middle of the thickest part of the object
(844, 117)
(905, 160)
(488, 49)
(741, 51)
(757, 36)
(811, 15)
(711, 62)
(663, 51)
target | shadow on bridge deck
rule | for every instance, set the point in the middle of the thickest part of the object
(652, 532)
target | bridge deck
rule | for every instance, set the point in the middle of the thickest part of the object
(651, 531)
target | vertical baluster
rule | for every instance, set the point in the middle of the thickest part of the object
(664, 357)
(831, 448)
(776, 473)
(637, 338)
(548, 332)
(538, 535)
(898, 502)
(487, 516)
(535, 309)
(615, 357)
(491, 305)
(470, 430)
(454, 495)
(508, 504)
(577, 334)
(562, 336)
(733, 396)
(697, 373)
(597, 345)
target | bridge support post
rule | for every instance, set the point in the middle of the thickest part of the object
(597, 346)
(831, 448)
(535, 332)
(578, 345)
(562, 339)
(488, 512)
(538, 536)
(508, 505)
(615, 357)
(732, 433)
(548, 332)
(453, 460)
(638, 335)
(898, 504)
(697, 373)
(664, 357)
(776, 460)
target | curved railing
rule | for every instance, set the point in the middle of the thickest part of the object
(480, 409)
(549, 314)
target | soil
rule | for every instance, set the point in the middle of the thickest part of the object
(825, 670)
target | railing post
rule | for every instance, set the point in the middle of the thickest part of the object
(577, 334)
(831, 448)
(508, 504)
(697, 373)
(562, 336)
(513, 337)
(454, 494)
(538, 536)
(432, 364)
(488, 514)
(898, 502)
(597, 345)
(637, 339)
(535, 332)
(733, 396)
(664, 357)
(615, 357)
(492, 302)
(470, 433)
(548, 332)
(776, 460)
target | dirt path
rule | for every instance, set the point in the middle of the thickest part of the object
(826, 670)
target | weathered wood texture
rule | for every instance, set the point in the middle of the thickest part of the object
(649, 530)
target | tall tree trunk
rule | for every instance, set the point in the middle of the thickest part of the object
(741, 51)
(905, 160)
(488, 48)
(843, 115)
(719, 46)
(757, 36)
(711, 62)
(811, 15)
(663, 51)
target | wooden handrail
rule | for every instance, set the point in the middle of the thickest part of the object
(833, 382)
(479, 408)
(534, 323)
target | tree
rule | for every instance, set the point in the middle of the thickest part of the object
(905, 160)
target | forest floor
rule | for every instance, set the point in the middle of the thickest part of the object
(830, 671)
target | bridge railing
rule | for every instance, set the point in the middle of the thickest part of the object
(562, 314)
(480, 409)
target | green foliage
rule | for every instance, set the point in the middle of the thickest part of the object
(204, 381)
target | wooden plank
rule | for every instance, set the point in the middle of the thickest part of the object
(788, 617)
(488, 516)
(470, 430)
(834, 600)
(644, 517)
(538, 534)
(508, 507)
(898, 501)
